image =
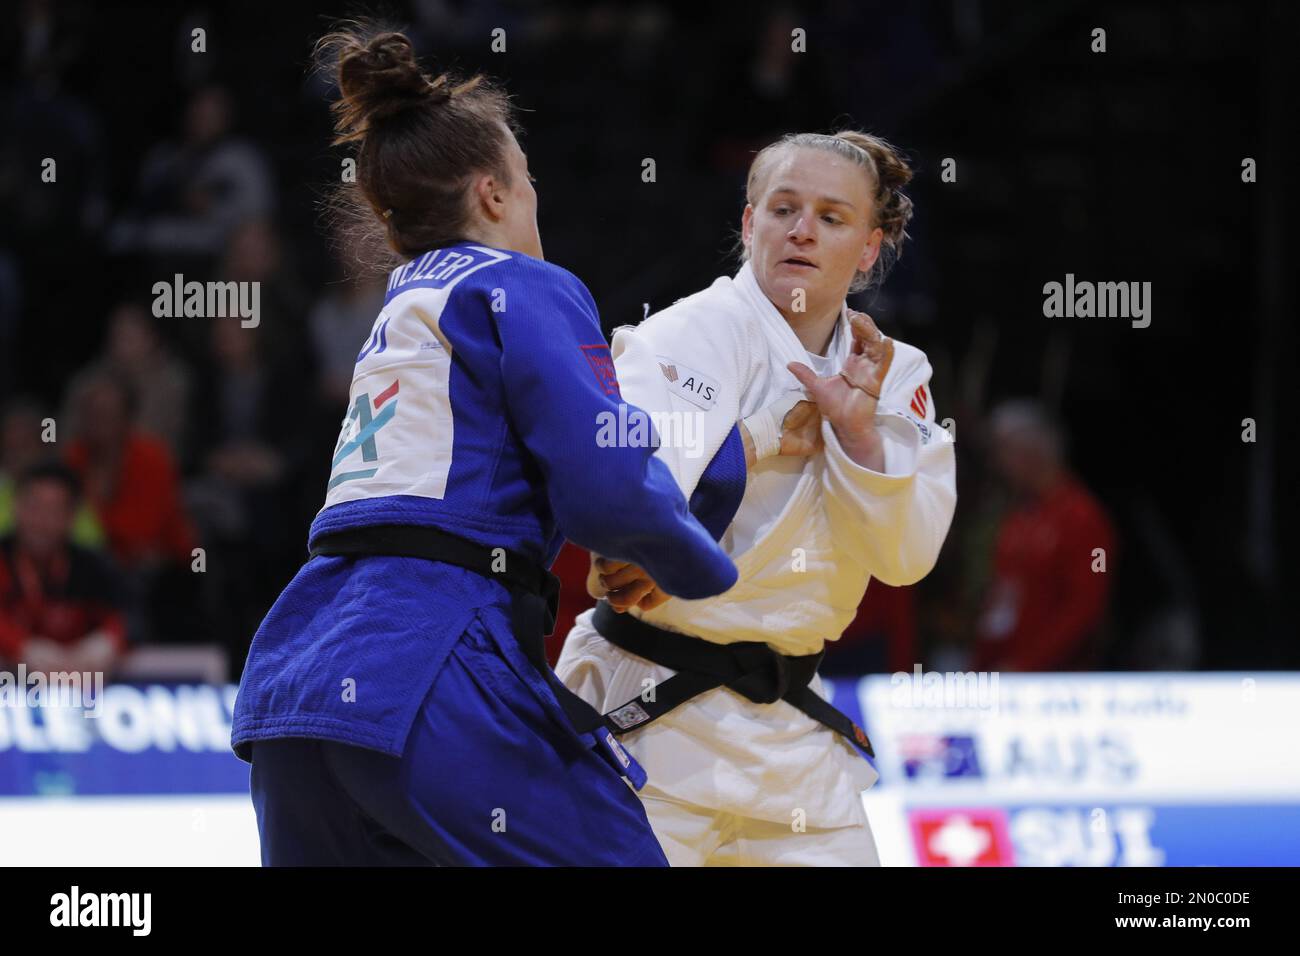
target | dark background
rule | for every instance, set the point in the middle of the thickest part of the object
(1122, 166)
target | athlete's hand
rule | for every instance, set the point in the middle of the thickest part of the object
(848, 399)
(790, 426)
(801, 430)
(623, 584)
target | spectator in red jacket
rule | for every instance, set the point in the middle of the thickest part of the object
(1048, 591)
(61, 608)
(129, 477)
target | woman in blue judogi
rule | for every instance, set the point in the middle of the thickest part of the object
(396, 706)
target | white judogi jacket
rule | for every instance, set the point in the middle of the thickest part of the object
(808, 537)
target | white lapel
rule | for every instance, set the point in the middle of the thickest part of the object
(782, 337)
(779, 334)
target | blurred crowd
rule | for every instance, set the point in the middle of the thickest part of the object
(182, 469)
(158, 475)
(160, 493)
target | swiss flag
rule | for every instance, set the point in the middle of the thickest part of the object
(920, 401)
(966, 837)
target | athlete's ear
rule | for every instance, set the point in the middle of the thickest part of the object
(491, 197)
(747, 225)
(871, 252)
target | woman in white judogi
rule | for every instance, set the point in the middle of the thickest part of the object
(859, 484)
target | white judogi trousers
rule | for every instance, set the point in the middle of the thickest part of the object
(699, 836)
(732, 782)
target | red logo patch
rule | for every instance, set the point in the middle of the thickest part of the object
(602, 364)
(387, 393)
(920, 401)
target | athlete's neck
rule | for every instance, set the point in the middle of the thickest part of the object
(496, 236)
(813, 329)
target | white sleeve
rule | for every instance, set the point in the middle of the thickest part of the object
(894, 523)
(688, 371)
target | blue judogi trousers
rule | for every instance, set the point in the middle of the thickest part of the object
(491, 774)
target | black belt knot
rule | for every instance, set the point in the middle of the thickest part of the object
(750, 668)
(765, 676)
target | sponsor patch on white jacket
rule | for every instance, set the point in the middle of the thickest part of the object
(691, 384)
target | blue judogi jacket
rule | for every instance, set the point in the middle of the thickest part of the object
(480, 405)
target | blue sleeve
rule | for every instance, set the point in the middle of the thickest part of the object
(722, 486)
(608, 492)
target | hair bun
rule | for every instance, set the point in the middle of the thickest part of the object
(378, 79)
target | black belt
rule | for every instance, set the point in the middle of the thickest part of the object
(750, 668)
(535, 592)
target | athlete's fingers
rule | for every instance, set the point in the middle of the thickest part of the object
(863, 327)
(867, 373)
(594, 587)
(652, 600)
(608, 565)
(806, 376)
(875, 355)
(801, 432)
(627, 597)
(885, 357)
(800, 414)
(624, 576)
